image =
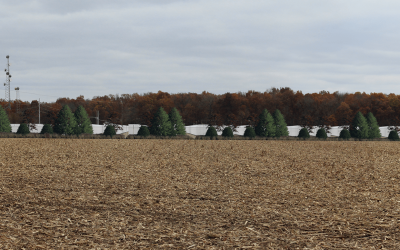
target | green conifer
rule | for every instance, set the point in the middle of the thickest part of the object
(160, 124)
(393, 135)
(280, 124)
(359, 127)
(227, 132)
(65, 122)
(265, 126)
(344, 134)
(110, 130)
(321, 134)
(303, 133)
(178, 128)
(83, 124)
(47, 129)
(143, 131)
(373, 127)
(5, 125)
(23, 129)
(212, 132)
(249, 132)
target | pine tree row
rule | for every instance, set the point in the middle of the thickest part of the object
(361, 128)
(67, 123)
(268, 126)
(164, 124)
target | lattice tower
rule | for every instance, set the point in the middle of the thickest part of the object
(7, 83)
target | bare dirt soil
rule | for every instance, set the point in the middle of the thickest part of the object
(191, 194)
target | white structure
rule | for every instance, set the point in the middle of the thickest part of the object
(14, 128)
(201, 129)
(97, 129)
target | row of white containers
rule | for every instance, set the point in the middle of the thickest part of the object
(200, 129)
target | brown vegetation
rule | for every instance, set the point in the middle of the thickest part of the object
(323, 108)
(195, 194)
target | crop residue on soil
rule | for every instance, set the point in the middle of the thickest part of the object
(125, 194)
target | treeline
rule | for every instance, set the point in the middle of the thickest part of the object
(163, 124)
(323, 108)
(77, 123)
(66, 123)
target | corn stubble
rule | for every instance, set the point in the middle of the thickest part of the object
(129, 194)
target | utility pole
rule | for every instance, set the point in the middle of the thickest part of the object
(122, 113)
(97, 117)
(7, 83)
(17, 100)
(39, 110)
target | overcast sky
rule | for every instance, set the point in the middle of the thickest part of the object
(101, 47)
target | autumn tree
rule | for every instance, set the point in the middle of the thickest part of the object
(230, 109)
(83, 124)
(31, 115)
(65, 123)
(321, 109)
(343, 114)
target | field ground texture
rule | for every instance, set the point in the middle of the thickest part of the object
(175, 194)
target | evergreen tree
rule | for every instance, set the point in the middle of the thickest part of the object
(143, 131)
(227, 132)
(160, 124)
(321, 134)
(373, 127)
(47, 129)
(178, 128)
(393, 135)
(249, 132)
(23, 129)
(359, 127)
(265, 126)
(110, 130)
(212, 132)
(280, 124)
(344, 134)
(65, 122)
(303, 133)
(5, 125)
(83, 124)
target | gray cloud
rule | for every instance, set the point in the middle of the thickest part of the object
(69, 48)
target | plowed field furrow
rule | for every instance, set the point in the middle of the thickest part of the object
(177, 194)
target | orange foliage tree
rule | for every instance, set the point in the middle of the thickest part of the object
(316, 109)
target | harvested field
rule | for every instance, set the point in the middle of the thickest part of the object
(191, 194)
